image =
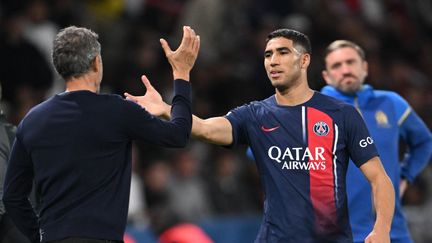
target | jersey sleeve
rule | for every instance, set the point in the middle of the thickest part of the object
(238, 118)
(360, 144)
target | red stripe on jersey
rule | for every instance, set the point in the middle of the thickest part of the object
(322, 190)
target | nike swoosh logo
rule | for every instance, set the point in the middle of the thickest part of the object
(269, 129)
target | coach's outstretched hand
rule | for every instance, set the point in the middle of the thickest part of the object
(183, 59)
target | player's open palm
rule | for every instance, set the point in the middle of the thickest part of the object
(183, 59)
(375, 237)
(151, 101)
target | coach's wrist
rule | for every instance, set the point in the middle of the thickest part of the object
(181, 75)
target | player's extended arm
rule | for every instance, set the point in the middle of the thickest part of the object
(217, 130)
(384, 200)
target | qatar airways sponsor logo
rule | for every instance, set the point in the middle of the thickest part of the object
(365, 142)
(298, 158)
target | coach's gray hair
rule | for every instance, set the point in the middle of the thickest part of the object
(74, 50)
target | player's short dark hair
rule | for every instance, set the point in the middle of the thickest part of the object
(74, 50)
(337, 44)
(300, 40)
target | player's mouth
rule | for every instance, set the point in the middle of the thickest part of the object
(275, 74)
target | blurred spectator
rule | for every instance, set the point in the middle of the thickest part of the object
(40, 32)
(156, 178)
(66, 12)
(227, 187)
(9, 233)
(162, 15)
(186, 190)
(136, 211)
(24, 72)
(207, 17)
(38, 29)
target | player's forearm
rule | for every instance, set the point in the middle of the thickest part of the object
(198, 126)
(216, 130)
(202, 130)
(384, 200)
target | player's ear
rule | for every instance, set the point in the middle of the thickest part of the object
(305, 60)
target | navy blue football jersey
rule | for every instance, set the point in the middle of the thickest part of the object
(302, 155)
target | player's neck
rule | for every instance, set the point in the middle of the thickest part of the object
(293, 97)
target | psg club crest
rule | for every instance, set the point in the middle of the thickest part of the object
(321, 128)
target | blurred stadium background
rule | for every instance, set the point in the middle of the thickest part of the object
(215, 188)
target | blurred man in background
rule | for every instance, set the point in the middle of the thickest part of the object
(8, 232)
(388, 117)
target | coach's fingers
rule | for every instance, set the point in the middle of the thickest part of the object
(197, 44)
(192, 33)
(187, 37)
(165, 46)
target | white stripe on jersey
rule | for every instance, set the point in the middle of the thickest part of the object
(304, 124)
(336, 137)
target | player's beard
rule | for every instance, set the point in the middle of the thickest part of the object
(289, 83)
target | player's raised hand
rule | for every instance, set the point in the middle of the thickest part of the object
(151, 101)
(183, 59)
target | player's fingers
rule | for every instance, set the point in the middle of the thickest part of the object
(146, 82)
(165, 46)
(130, 97)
